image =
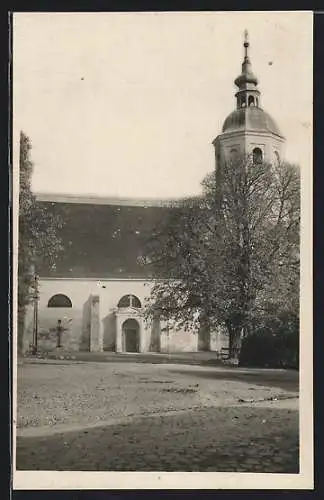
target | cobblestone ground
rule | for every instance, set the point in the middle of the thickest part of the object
(215, 439)
(129, 416)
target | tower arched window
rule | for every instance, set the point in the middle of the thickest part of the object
(242, 101)
(233, 154)
(257, 156)
(251, 100)
(130, 301)
(59, 300)
(277, 157)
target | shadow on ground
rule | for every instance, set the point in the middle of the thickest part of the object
(284, 379)
(219, 440)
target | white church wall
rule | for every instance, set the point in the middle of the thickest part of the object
(245, 142)
(268, 143)
(146, 337)
(71, 319)
(109, 292)
(79, 290)
(109, 332)
(178, 341)
(115, 289)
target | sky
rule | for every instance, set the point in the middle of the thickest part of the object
(129, 104)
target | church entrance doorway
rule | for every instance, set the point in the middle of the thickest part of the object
(131, 335)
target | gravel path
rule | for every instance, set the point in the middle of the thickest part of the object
(75, 393)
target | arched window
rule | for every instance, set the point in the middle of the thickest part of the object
(251, 100)
(257, 102)
(257, 155)
(59, 300)
(241, 101)
(130, 301)
(233, 154)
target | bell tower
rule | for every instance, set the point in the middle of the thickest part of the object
(248, 93)
(249, 130)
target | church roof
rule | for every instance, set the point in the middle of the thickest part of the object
(102, 237)
(105, 200)
(251, 118)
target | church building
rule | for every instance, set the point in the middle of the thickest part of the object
(98, 287)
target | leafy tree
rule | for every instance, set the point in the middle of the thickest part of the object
(38, 237)
(230, 256)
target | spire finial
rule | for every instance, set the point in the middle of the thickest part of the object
(246, 42)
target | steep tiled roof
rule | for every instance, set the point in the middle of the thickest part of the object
(103, 237)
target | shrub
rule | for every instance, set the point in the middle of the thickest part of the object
(273, 345)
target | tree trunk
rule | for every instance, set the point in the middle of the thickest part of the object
(236, 348)
(20, 330)
(204, 335)
(235, 343)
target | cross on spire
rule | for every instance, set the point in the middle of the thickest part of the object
(246, 42)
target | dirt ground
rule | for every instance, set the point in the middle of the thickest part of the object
(135, 416)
